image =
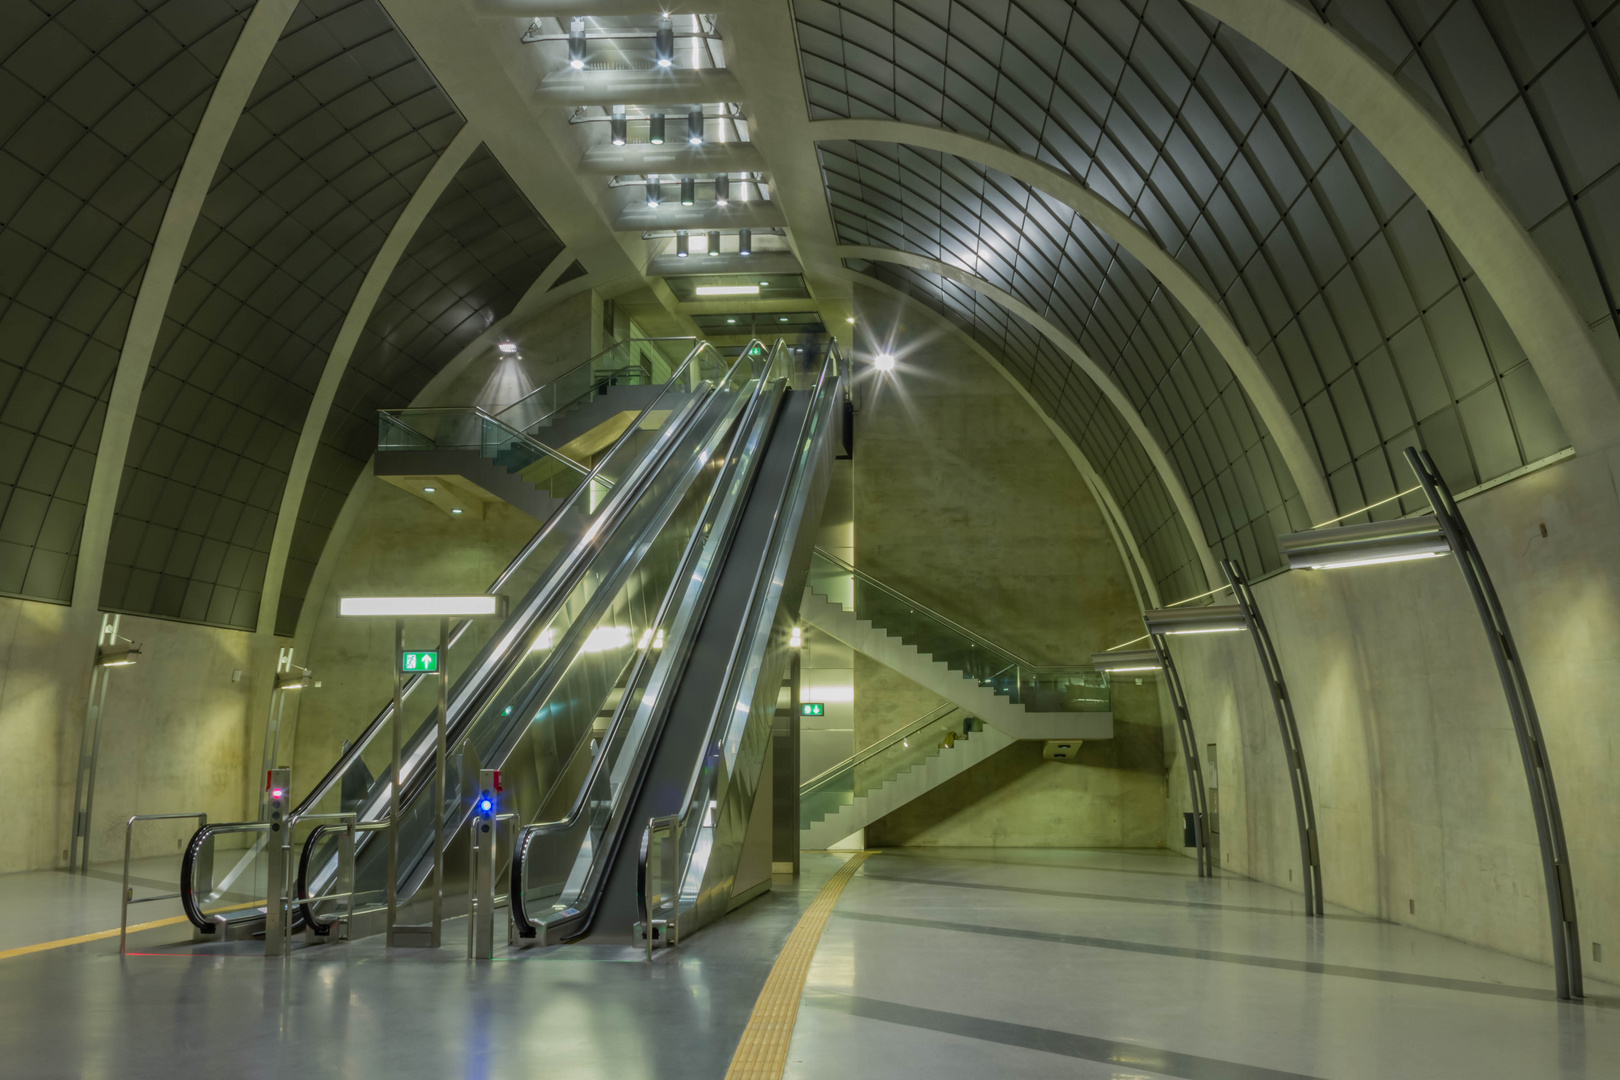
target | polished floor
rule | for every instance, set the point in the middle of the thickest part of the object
(936, 964)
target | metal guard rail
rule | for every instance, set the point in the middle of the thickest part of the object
(821, 778)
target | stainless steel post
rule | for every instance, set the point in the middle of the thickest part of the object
(1555, 868)
(395, 721)
(1299, 780)
(483, 845)
(277, 926)
(440, 766)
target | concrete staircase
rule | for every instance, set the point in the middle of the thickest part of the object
(949, 683)
(859, 811)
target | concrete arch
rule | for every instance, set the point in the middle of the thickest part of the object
(259, 36)
(1511, 267)
(1223, 333)
(1069, 347)
(337, 361)
(1130, 552)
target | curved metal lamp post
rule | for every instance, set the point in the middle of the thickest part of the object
(1304, 806)
(1156, 659)
(1447, 532)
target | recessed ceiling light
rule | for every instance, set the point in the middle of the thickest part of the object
(457, 510)
(728, 290)
(782, 319)
(507, 347)
(430, 490)
(763, 284)
(731, 320)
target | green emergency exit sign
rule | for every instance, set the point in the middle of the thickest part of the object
(812, 708)
(416, 663)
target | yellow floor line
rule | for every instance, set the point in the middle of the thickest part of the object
(762, 1053)
(102, 935)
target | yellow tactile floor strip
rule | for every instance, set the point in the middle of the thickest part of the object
(102, 935)
(762, 1053)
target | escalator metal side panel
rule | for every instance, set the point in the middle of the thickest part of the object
(744, 746)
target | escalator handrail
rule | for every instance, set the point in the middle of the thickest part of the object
(586, 364)
(363, 741)
(476, 684)
(669, 434)
(188, 864)
(529, 833)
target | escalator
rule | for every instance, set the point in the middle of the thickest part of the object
(532, 693)
(690, 733)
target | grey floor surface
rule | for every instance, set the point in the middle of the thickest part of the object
(936, 964)
(359, 1011)
(1014, 964)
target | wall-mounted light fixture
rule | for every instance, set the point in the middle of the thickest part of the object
(727, 290)
(1127, 661)
(1448, 532)
(1375, 542)
(1214, 619)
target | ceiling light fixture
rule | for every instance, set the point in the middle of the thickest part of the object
(620, 125)
(714, 241)
(722, 190)
(655, 129)
(694, 125)
(688, 191)
(655, 194)
(745, 241)
(683, 245)
(507, 347)
(576, 44)
(664, 43)
(884, 362)
(728, 290)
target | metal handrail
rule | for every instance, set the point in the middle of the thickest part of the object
(899, 735)
(363, 741)
(394, 417)
(128, 895)
(931, 613)
(565, 576)
(812, 431)
(527, 835)
(349, 822)
(670, 826)
(586, 364)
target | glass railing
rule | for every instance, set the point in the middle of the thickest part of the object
(913, 744)
(563, 652)
(637, 362)
(560, 860)
(1038, 687)
(474, 429)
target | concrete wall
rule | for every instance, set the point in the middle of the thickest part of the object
(964, 500)
(179, 731)
(1420, 795)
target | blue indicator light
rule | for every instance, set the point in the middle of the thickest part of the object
(486, 805)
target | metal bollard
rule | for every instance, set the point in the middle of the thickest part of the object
(483, 852)
(277, 925)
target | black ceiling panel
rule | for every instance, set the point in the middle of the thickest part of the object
(344, 123)
(98, 106)
(479, 249)
(1372, 328)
